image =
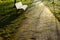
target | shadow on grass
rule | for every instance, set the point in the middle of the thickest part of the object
(8, 14)
(8, 19)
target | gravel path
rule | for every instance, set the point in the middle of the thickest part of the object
(39, 24)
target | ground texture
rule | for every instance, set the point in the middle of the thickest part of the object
(39, 24)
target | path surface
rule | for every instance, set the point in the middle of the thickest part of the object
(39, 24)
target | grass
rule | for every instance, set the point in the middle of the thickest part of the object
(10, 19)
(56, 6)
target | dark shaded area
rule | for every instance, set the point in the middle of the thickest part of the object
(7, 15)
(8, 19)
(33, 38)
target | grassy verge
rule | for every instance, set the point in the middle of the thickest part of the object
(56, 6)
(10, 19)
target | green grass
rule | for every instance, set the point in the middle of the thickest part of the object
(8, 14)
(57, 8)
(10, 19)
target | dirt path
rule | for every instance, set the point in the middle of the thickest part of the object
(39, 24)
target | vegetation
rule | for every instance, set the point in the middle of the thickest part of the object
(54, 7)
(10, 18)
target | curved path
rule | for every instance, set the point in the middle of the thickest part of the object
(39, 24)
